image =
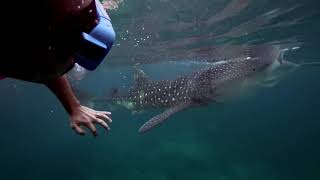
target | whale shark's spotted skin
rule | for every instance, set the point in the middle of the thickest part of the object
(161, 94)
(198, 88)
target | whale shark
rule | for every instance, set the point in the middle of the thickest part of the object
(204, 86)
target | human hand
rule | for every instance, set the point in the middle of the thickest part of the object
(84, 116)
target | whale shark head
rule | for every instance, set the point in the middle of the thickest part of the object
(271, 65)
(277, 67)
(261, 66)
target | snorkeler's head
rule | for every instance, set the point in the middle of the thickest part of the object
(96, 44)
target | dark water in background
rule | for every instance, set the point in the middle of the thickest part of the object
(271, 135)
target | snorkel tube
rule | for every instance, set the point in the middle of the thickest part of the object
(96, 44)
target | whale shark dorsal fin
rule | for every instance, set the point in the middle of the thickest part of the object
(140, 77)
(160, 118)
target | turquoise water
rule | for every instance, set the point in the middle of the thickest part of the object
(272, 134)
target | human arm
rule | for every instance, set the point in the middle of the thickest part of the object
(79, 115)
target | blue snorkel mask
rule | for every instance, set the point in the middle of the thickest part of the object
(96, 44)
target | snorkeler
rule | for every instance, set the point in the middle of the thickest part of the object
(78, 31)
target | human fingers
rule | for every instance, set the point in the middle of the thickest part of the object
(104, 117)
(78, 130)
(103, 124)
(92, 128)
(105, 112)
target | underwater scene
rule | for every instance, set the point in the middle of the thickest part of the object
(198, 90)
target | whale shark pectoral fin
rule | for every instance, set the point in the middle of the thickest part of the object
(269, 84)
(270, 81)
(160, 118)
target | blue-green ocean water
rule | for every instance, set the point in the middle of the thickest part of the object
(270, 135)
